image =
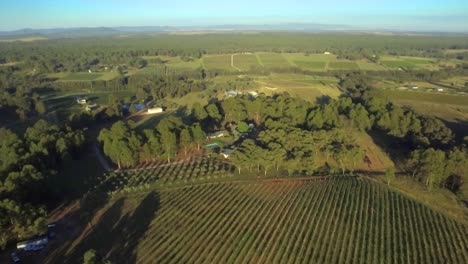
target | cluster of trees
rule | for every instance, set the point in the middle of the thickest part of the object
(435, 167)
(81, 54)
(126, 146)
(435, 157)
(27, 166)
(16, 94)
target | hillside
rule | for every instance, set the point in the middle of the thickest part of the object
(340, 220)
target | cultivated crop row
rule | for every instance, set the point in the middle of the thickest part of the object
(186, 171)
(341, 220)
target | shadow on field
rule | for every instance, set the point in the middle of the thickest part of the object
(459, 128)
(396, 150)
(116, 233)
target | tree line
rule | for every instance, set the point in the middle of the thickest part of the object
(28, 165)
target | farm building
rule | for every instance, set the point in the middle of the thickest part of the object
(226, 153)
(217, 134)
(82, 101)
(155, 110)
(253, 94)
(233, 93)
(33, 245)
(440, 90)
(327, 53)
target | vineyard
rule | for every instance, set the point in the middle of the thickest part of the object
(333, 220)
(162, 173)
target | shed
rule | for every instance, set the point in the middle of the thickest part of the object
(216, 134)
(155, 110)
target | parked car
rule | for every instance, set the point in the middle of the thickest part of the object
(15, 258)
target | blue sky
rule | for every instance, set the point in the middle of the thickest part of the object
(443, 15)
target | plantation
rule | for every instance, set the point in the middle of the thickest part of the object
(273, 60)
(221, 62)
(321, 220)
(316, 65)
(245, 62)
(161, 173)
(343, 65)
(398, 64)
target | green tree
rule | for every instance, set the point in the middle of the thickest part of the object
(185, 139)
(198, 112)
(198, 134)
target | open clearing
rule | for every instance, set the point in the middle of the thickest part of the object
(336, 220)
(81, 76)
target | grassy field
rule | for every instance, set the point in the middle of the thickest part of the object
(81, 76)
(221, 62)
(438, 98)
(343, 65)
(396, 64)
(340, 220)
(245, 62)
(306, 87)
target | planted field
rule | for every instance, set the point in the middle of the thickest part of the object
(273, 60)
(82, 76)
(217, 62)
(343, 65)
(398, 64)
(314, 65)
(334, 220)
(245, 62)
(145, 175)
(438, 98)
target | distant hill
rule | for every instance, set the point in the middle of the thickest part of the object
(108, 31)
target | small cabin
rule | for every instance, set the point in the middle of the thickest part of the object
(217, 134)
(155, 110)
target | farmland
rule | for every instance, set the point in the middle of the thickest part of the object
(334, 220)
(222, 62)
(245, 62)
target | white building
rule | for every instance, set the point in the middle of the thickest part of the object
(226, 153)
(81, 100)
(217, 134)
(327, 53)
(440, 90)
(155, 110)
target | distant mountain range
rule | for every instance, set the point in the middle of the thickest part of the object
(109, 31)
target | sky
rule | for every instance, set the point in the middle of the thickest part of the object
(423, 15)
